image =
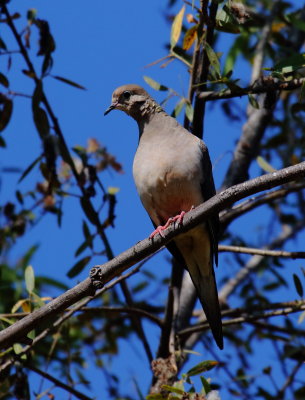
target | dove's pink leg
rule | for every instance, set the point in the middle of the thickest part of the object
(160, 228)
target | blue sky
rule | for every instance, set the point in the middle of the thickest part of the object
(103, 45)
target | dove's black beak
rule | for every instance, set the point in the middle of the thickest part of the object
(112, 107)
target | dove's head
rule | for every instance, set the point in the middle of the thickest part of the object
(134, 101)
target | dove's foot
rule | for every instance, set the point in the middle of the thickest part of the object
(159, 230)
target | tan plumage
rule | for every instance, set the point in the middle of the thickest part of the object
(172, 173)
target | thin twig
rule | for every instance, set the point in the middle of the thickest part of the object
(246, 318)
(289, 380)
(264, 85)
(262, 252)
(231, 214)
(123, 310)
(254, 262)
(58, 382)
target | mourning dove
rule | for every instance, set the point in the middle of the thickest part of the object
(172, 172)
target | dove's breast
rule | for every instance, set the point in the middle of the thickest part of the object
(167, 177)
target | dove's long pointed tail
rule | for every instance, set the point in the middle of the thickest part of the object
(195, 248)
(207, 293)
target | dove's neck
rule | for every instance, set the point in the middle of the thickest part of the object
(146, 113)
(151, 119)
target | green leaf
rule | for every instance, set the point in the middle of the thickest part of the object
(30, 74)
(78, 267)
(225, 22)
(205, 384)
(189, 112)
(86, 231)
(156, 396)
(2, 142)
(301, 317)
(4, 81)
(298, 285)
(238, 47)
(17, 348)
(38, 301)
(51, 282)
(232, 85)
(172, 389)
(25, 260)
(31, 335)
(82, 153)
(88, 240)
(91, 214)
(29, 169)
(6, 109)
(155, 85)
(29, 279)
(68, 81)
(178, 108)
(290, 64)
(82, 248)
(39, 115)
(277, 75)
(176, 27)
(41, 121)
(112, 190)
(302, 92)
(202, 367)
(31, 15)
(213, 59)
(253, 101)
(64, 152)
(265, 166)
(2, 44)
(19, 196)
(296, 21)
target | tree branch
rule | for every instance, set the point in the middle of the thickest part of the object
(58, 383)
(66, 316)
(245, 318)
(255, 261)
(203, 70)
(105, 273)
(263, 252)
(111, 310)
(263, 85)
(227, 216)
(289, 380)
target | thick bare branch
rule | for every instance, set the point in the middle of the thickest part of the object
(125, 260)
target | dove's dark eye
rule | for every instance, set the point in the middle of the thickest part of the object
(126, 95)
